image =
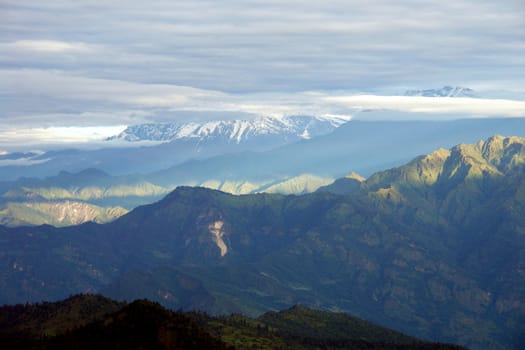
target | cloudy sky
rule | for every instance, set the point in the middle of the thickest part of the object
(103, 65)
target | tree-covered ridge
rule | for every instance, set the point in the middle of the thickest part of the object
(48, 319)
(309, 323)
(95, 322)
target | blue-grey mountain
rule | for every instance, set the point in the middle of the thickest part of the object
(180, 142)
(360, 146)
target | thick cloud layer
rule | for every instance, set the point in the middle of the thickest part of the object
(131, 61)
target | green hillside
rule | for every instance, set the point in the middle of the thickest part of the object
(345, 185)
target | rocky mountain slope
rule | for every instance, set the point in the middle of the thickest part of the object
(61, 213)
(434, 248)
(278, 130)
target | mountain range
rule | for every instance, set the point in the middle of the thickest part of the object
(265, 130)
(93, 195)
(433, 248)
(391, 144)
(296, 168)
(177, 143)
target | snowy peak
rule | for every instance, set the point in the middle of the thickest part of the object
(446, 91)
(235, 131)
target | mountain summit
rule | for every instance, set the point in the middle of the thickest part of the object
(445, 91)
(235, 131)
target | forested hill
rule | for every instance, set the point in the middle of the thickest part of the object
(94, 322)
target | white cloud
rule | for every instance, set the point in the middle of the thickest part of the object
(75, 87)
(28, 138)
(51, 46)
(418, 104)
(273, 46)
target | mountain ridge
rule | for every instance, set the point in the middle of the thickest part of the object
(236, 131)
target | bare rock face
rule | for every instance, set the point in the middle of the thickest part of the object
(216, 229)
(61, 213)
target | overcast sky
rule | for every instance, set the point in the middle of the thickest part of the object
(113, 63)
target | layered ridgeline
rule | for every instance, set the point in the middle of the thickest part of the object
(434, 248)
(166, 145)
(95, 322)
(296, 168)
(92, 195)
(68, 199)
(81, 195)
(364, 146)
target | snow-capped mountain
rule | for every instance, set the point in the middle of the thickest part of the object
(446, 91)
(235, 131)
